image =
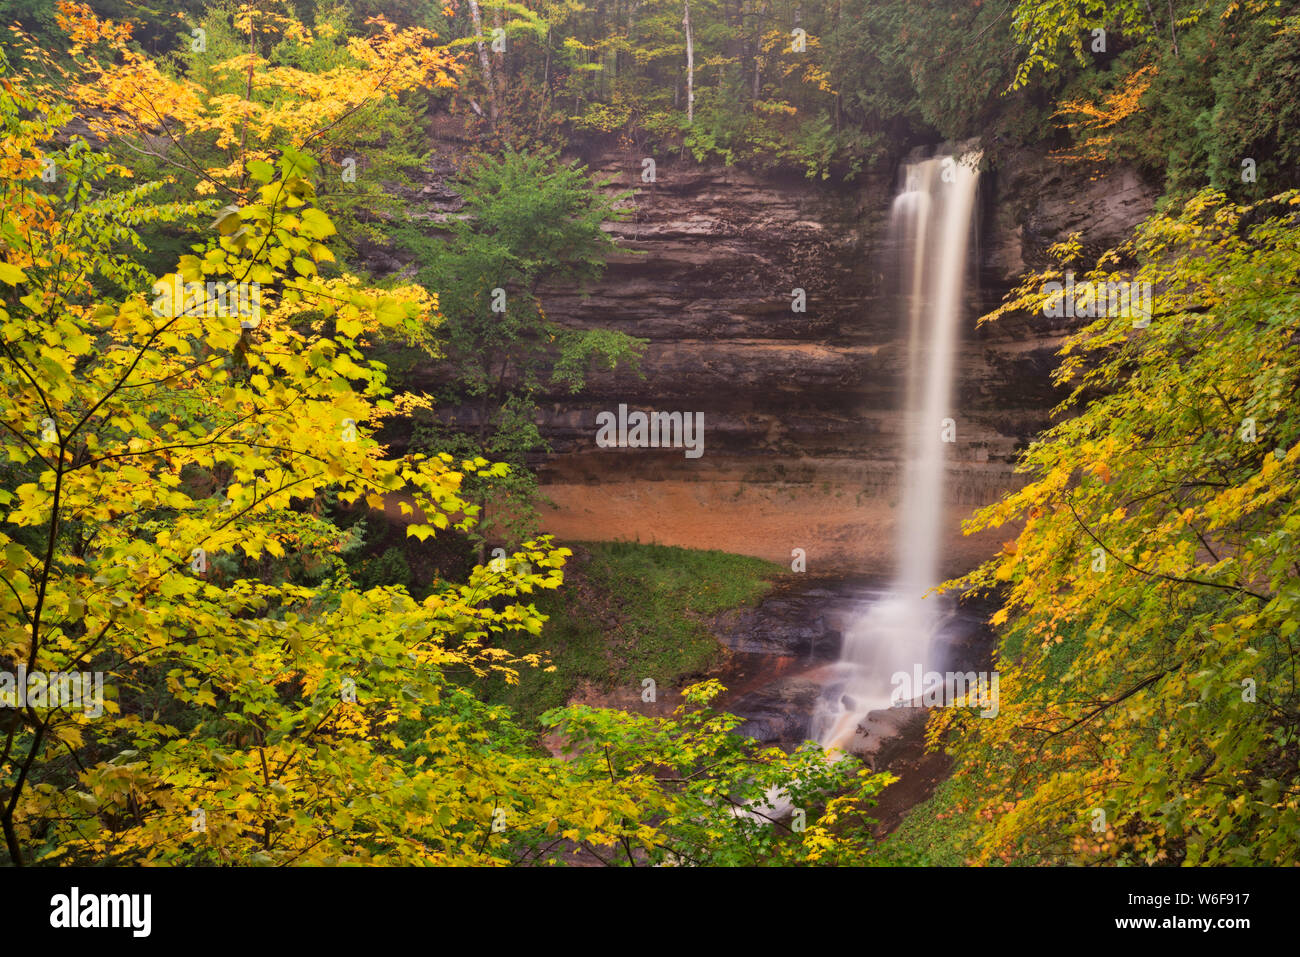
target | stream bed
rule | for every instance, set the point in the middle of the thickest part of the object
(784, 659)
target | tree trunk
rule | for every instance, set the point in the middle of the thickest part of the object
(690, 66)
(484, 61)
(500, 57)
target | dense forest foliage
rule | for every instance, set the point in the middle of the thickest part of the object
(203, 377)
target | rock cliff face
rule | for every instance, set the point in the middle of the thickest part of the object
(801, 409)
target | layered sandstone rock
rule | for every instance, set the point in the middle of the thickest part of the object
(802, 426)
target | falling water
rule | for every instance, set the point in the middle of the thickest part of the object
(930, 225)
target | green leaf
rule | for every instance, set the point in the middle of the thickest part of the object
(261, 171)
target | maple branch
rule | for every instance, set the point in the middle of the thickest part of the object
(1142, 571)
(1105, 705)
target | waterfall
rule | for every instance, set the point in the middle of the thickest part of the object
(930, 225)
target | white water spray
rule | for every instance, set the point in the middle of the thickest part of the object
(931, 222)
